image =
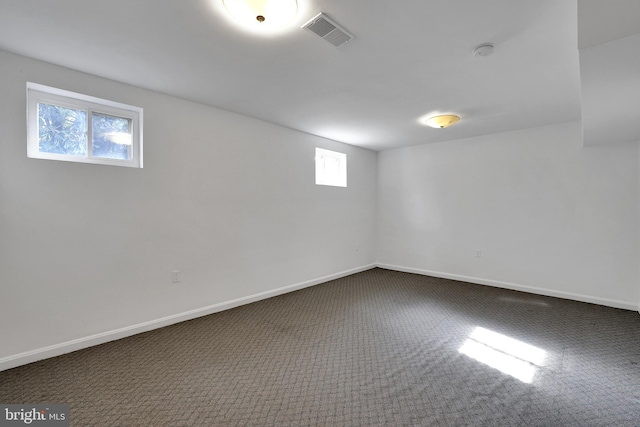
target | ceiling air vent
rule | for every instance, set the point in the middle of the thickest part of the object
(327, 29)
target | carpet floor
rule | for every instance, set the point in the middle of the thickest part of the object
(378, 348)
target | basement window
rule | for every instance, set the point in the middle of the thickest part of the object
(331, 168)
(73, 127)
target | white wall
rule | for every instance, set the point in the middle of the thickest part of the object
(87, 251)
(549, 216)
(228, 200)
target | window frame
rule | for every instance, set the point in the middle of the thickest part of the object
(38, 93)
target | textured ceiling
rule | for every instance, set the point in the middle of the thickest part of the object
(409, 58)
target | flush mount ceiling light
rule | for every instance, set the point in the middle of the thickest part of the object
(262, 14)
(441, 121)
(484, 49)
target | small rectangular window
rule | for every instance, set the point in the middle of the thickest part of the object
(69, 126)
(331, 168)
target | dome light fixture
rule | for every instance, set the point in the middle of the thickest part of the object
(442, 121)
(484, 49)
(262, 14)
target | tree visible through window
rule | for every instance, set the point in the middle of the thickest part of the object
(62, 130)
(111, 136)
(64, 125)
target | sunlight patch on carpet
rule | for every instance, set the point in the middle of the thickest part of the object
(508, 355)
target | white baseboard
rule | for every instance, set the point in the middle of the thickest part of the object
(80, 343)
(513, 286)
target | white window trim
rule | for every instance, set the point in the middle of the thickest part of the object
(37, 93)
(322, 178)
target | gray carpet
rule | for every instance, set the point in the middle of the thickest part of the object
(379, 348)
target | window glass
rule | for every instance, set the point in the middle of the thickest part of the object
(111, 137)
(331, 168)
(62, 130)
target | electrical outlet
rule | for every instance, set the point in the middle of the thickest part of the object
(175, 276)
(478, 253)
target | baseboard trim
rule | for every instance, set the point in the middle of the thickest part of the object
(116, 334)
(514, 286)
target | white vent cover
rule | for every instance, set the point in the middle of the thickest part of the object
(327, 29)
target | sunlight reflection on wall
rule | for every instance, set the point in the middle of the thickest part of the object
(510, 356)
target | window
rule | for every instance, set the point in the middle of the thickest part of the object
(68, 126)
(331, 168)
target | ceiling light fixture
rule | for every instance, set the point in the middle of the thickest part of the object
(484, 49)
(442, 121)
(262, 14)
